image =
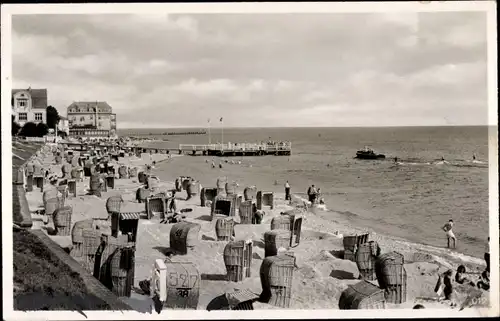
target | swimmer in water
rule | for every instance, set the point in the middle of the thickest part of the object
(395, 160)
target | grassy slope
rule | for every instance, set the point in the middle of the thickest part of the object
(43, 282)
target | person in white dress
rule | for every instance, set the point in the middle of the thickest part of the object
(448, 228)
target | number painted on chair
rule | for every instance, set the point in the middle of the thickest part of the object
(193, 278)
(184, 278)
(173, 277)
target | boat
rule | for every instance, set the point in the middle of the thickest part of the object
(368, 153)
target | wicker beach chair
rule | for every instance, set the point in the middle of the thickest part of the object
(273, 240)
(276, 275)
(391, 276)
(167, 276)
(238, 260)
(366, 256)
(184, 236)
(62, 220)
(362, 295)
(224, 228)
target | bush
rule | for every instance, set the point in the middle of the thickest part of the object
(42, 129)
(31, 129)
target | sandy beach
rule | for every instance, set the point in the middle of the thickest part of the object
(321, 273)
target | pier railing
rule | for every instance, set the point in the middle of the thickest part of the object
(244, 147)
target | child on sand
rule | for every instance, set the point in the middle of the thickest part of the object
(449, 233)
(484, 282)
(461, 278)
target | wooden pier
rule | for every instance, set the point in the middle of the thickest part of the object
(221, 150)
(243, 149)
(83, 147)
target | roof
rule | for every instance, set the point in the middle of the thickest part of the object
(38, 96)
(103, 106)
(130, 216)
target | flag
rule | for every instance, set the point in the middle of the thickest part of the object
(221, 119)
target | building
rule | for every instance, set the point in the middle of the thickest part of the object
(29, 105)
(63, 125)
(91, 119)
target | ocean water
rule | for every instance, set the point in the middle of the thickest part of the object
(410, 200)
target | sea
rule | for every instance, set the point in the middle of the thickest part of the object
(411, 199)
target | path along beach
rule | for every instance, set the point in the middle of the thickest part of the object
(321, 274)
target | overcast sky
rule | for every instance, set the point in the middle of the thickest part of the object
(261, 70)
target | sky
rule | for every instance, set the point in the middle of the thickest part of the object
(261, 70)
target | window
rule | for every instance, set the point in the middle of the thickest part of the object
(100, 117)
(82, 118)
(100, 124)
(21, 102)
(23, 116)
(91, 117)
(38, 117)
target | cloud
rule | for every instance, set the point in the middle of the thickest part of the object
(325, 69)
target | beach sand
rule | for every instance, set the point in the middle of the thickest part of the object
(319, 279)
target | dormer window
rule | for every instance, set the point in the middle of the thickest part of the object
(22, 102)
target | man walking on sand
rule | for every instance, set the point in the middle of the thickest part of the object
(287, 191)
(449, 233)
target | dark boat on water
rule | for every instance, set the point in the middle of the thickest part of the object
(368, 153)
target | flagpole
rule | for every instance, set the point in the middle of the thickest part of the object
(222, 121)
(209, 136)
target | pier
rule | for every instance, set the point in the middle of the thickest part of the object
(238, 149)
(78, 146)
(221, 150)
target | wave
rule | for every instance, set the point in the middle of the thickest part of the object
(412, 163)
(476, 164)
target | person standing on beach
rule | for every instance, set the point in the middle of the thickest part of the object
(314, 195)
(287, 191)
(487, 255)
(449, 233)
(173, 203)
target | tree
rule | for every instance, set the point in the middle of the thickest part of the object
(29, 130)
(52, 117)
(42, 129)
(15, 126)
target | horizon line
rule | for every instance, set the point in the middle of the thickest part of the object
(403, 126)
